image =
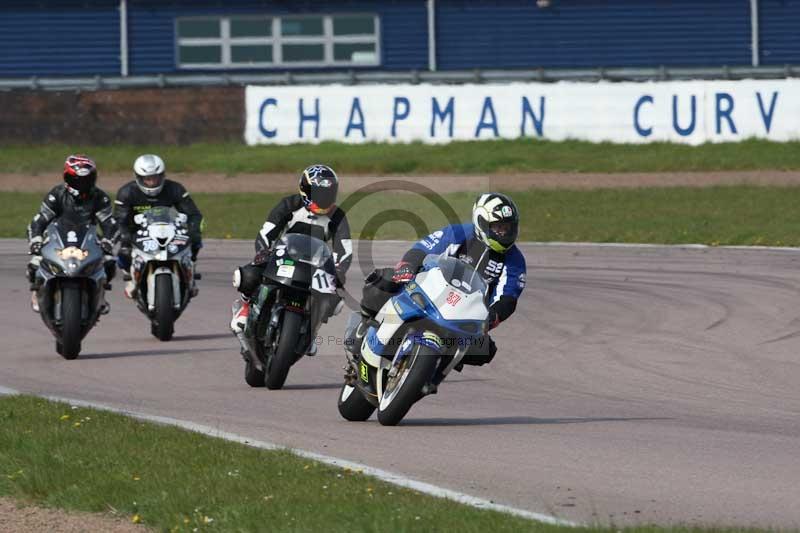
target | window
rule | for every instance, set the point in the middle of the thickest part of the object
(261, 41)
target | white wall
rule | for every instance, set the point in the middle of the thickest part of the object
(686, 112)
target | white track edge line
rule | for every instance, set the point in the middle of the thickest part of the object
(383, 475)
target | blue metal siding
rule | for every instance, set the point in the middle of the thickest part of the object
(779, 22)
(59, 37)
(404, 33)
(590, 33)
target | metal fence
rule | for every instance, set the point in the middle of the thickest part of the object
(413, 77)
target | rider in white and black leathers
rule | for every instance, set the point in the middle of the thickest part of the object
(312, 211)
(79, 200)
(487, 244)
(149, 189)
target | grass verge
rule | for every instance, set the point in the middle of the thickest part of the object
(175, 480)
(467, 157)
(725, 215)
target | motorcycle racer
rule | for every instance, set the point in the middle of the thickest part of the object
(312, 211)
(149, 189)
(79, 200)
(487, 244)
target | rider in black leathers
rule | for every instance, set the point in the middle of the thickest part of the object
(77, 200)
(312, 212)
(152, 189)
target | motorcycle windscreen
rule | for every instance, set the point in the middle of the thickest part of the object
(453, 302)
(305, 248)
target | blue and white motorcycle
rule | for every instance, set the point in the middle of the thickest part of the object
(416, 339)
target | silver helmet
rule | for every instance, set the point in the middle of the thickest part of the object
(150, 174)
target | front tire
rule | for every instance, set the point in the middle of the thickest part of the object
(416, 372)
(352, 404)
(278, 365)
(71, 326)
(164, 322)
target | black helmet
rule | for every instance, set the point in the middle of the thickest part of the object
(496, 220)
(80, 175)
(318, 187)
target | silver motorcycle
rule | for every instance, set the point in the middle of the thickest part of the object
(72, 282)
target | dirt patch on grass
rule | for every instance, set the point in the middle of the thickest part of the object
(443, 184)
(19, 518)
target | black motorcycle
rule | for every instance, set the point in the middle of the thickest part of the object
(72, 283)
(297, 292)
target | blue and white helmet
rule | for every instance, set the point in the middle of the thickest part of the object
(496, 220)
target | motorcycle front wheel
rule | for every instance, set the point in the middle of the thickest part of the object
(70, 345)
(164, 323)
(403, 390)
(279, 363)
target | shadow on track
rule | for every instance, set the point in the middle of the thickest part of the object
(209, 337)
(140, 353)
(312, 386)
(517, 420)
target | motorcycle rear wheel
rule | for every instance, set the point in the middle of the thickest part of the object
(352, 404)
(252, 375)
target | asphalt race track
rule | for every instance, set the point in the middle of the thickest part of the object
(656, 385)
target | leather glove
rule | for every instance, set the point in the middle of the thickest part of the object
(493, 320)
(35, 248)
(403, 273)
(107, 245)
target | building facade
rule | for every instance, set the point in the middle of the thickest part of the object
(135, 37)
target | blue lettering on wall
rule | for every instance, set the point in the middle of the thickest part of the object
(643, 132)
(314, 117)
(725, 113)
(688, 130)
(527, 111)
(767, 116)
(442, 115)
(400, 115)
(488, 107)
(264, 131)
(355, 109)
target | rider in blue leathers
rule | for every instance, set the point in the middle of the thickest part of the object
(487, 244)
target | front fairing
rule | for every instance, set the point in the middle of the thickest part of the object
(433, 296)
(162, 234)
(302, 262)
(71, 251)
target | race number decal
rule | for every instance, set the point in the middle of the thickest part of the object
(323, 282)
(453, 298)
(286, 271)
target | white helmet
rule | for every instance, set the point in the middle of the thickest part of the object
(149, 170)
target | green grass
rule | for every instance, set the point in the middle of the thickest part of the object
(475, 157)
(725, 215)
(89, 460)
(170, 479)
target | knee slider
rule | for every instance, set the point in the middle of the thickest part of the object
(247, 279)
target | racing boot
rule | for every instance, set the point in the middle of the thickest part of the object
(241, 310)
(34, 302)
(131, 290)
